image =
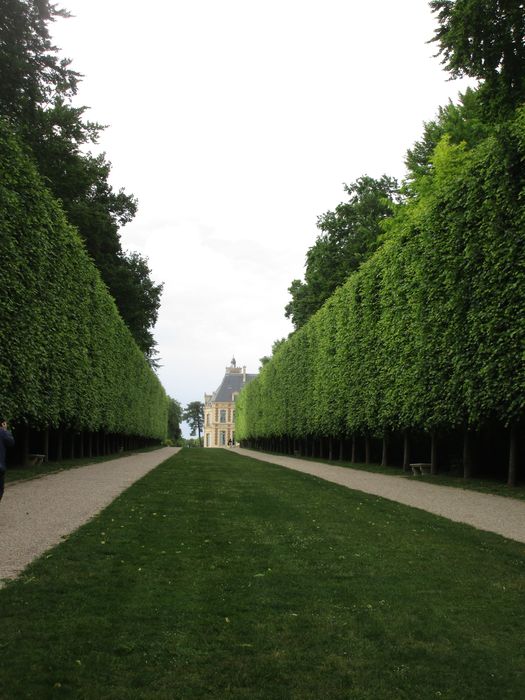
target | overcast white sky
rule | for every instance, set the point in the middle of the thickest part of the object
(235, 123)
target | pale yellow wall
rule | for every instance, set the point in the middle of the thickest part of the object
(213, 426)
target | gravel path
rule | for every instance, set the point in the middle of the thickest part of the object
(37, 514)
(505, 516)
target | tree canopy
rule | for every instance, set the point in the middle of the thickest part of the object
(36, 91)
(349, 235)
(193, 415)
(174, 419)
(427, 333)
(485, 39)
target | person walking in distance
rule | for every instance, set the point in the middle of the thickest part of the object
(6, 440)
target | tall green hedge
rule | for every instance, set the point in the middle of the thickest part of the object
(67, 359)
(429, 333)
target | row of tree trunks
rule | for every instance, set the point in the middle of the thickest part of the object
(58, 444)
(326, 448)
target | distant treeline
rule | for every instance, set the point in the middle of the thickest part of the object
(421, 352)
(67, 361)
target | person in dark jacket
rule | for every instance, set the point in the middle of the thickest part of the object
(6, 440)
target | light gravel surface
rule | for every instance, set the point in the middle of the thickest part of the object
(37, 514)
(505, 516)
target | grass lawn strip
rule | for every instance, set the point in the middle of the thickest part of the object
(490, 486)
(219, 576)
(18, 473)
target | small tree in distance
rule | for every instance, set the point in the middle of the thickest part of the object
(193, 415)
(174, 420)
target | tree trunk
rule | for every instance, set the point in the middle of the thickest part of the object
(45, 449)
(60, 442)
(367, 449)
(433, 454)
(467, 454)
(25, 446)
(406, 451)
(341, 449)
(384, 456)
(513, 456)
(354, 449)
(330, 449)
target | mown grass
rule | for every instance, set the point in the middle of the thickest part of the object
(218, 576)
(490, 486)
(22, 473)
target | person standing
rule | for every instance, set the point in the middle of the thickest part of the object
(6, 440)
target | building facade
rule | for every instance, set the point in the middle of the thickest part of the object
(219, 407)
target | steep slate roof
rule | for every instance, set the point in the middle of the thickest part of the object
(231, 384)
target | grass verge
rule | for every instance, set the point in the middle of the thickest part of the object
(217, 576)
(19, 473)
(490, 486)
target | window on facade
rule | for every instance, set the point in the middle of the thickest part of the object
(222, 437)
(222, 418)
(207, 439)
(208, 419)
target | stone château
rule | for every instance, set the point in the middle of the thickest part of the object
(219, 407)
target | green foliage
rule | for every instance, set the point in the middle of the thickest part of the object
(193, 415)
(349, 235)
(429, 332)
(30, 69)
(275, 346)
(67, 357)
(174, 420)
(36, 88)
(484, 39)
(463, 123)
(217, 576)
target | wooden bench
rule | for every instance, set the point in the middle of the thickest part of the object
(35, 460)
(420, 468)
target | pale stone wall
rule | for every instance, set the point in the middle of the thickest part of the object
(219, 423)
(219, 416)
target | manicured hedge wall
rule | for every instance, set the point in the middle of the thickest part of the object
(67, 359)
(429, 334)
